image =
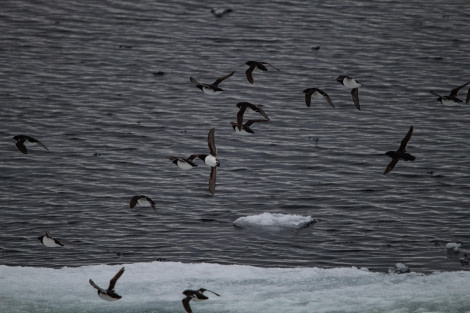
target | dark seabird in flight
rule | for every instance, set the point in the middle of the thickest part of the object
(50, 241)
(243, 106)
(21, 139)
(241, 127)
(401, 153)
(184, 164)
(109, 294)
(142, 200)
(210, 159)
(220, 12)
(352, 83)
(317, 93)
(452, 98)
(211, 89)
(255, 64)
(196, 295)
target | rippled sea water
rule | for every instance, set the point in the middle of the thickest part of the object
(105, 86)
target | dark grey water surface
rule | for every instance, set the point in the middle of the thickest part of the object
(79, 76)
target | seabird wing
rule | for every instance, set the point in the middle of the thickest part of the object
(240, 116)
(213, 292)
(190, 161)
(355, 96)
(39, 143)
(20, 145)
(193, 156)
(219, 80)
(173, 159)
(193, 80)
(48, 235)
(211, 142)
(186, 305)
(405, 140)
(391, 165)
(308, 97)
(249, 73)
(92, 283)
(152, 203)
(454, 92)
(251, 122)
(58, 242)
(270, 65)
(435, 94)
(247, 105)
(34, 140)
(113, 281)
(328, 99)
(134, 201)
(261, 66)
(212, 180)
(260, 110)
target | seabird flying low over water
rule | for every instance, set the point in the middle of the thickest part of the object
(184, 164)
(255, 64)
(50, 241)
(211, 89)
(239, 126)
(243, 106)
(142, 200)
(220, 12)
(21, 139)
(196, 295)
(210, 159)
(401, 153)
(352, 83)
(317, 93)
(109, 294)
(452, 98)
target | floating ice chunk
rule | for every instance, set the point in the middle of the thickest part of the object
(453, 245)
(399, 268)
(277, 220)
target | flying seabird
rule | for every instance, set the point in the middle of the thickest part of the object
(220, 12)
(255, 64)
(211, 89)
(109, 294)
(142, 200)
(210, 159)
(196, 295)
(401, 153)
(21, 139)
(352, 83)
(452, 98)
(50, 241)
(184, 164)
(243, 106)
(317, 93)
(239, 126)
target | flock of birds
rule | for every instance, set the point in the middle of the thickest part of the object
(109, 294)
(210, 159)
(240, 126)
